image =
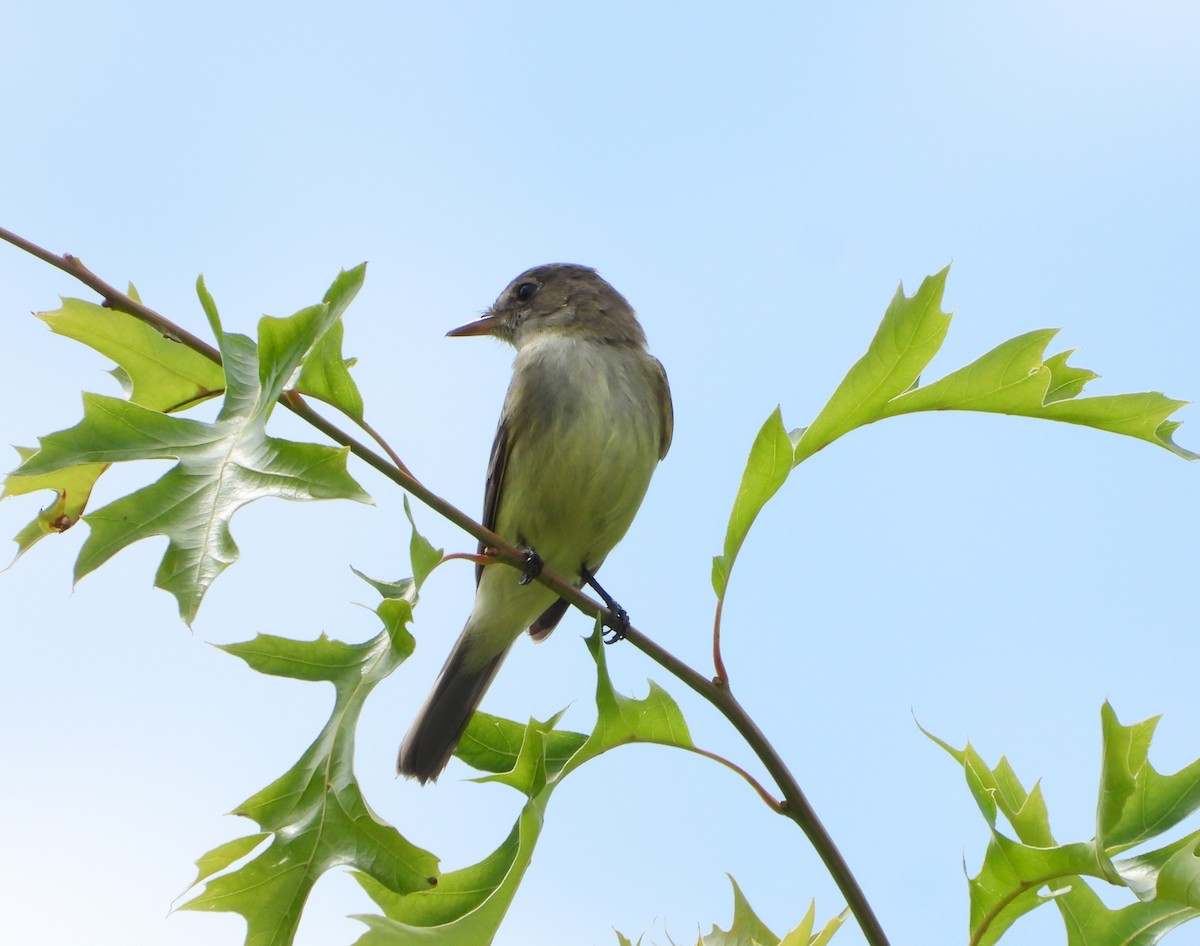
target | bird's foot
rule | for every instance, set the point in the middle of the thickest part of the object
(533, 566)
(618, 624)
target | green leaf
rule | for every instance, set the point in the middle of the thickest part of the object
(315, 814)
(163, 374)
(1090, 922)
(396, 609)
(1013, 877)
(1011, 377)
(325, 374)
(155, 372)
(222, 465)
(802, 935)
(224, 855)
(912, 331)
(745, 930)
(767, 468)
(405, 588)
(1014, 379)
(468, 905)
(1136, 802)
(524, 760)
(72, 488)
(425, 558)
(1008, 884)
(909, 336)
(748, 930)
(826, 932)
(1168, 874)
(623, 719)
(536, 756)
(1179, 877)
(1021, 874)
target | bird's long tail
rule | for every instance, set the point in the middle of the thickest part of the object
(440, 722)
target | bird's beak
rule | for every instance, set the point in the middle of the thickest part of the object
(487, 325)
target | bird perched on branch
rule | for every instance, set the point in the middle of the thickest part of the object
(586, 420)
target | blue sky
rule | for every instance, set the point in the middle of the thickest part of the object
(756, 181)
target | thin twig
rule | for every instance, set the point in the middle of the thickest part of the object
(113, 297)
(794, 805)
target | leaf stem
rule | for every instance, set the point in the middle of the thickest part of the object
(768, 799)
(375, 435)
(719, 661)
(794, 805)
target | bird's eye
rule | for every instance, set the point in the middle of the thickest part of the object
(525, 291)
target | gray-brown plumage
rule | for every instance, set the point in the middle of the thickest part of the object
(586, 419)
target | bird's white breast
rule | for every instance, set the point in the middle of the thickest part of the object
(584, 428)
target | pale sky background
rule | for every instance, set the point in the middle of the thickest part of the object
(756, 179)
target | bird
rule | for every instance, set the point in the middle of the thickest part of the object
(586, 420)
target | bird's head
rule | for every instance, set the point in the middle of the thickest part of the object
(558, 298)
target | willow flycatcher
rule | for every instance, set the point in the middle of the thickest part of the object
(586, 419)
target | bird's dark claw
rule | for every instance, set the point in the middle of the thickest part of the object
(533, 566)
(619, 624)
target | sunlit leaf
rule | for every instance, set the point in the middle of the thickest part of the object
(748, 930)
(225, 855)
(424, 556)
(523, 757)
(163, 374)
(1015, 378)
(745, 930)
(468, 905)
(314, 816)
(1091, 922)
(154, 371)
(72, 488)
(222, 465)
(1136, 804)
(1170, 873)
(623, 719)
(912, 331)
(767, 468)
(325, 373)
(825, 934)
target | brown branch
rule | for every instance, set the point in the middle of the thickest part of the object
(113, 297)
(794, 805)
